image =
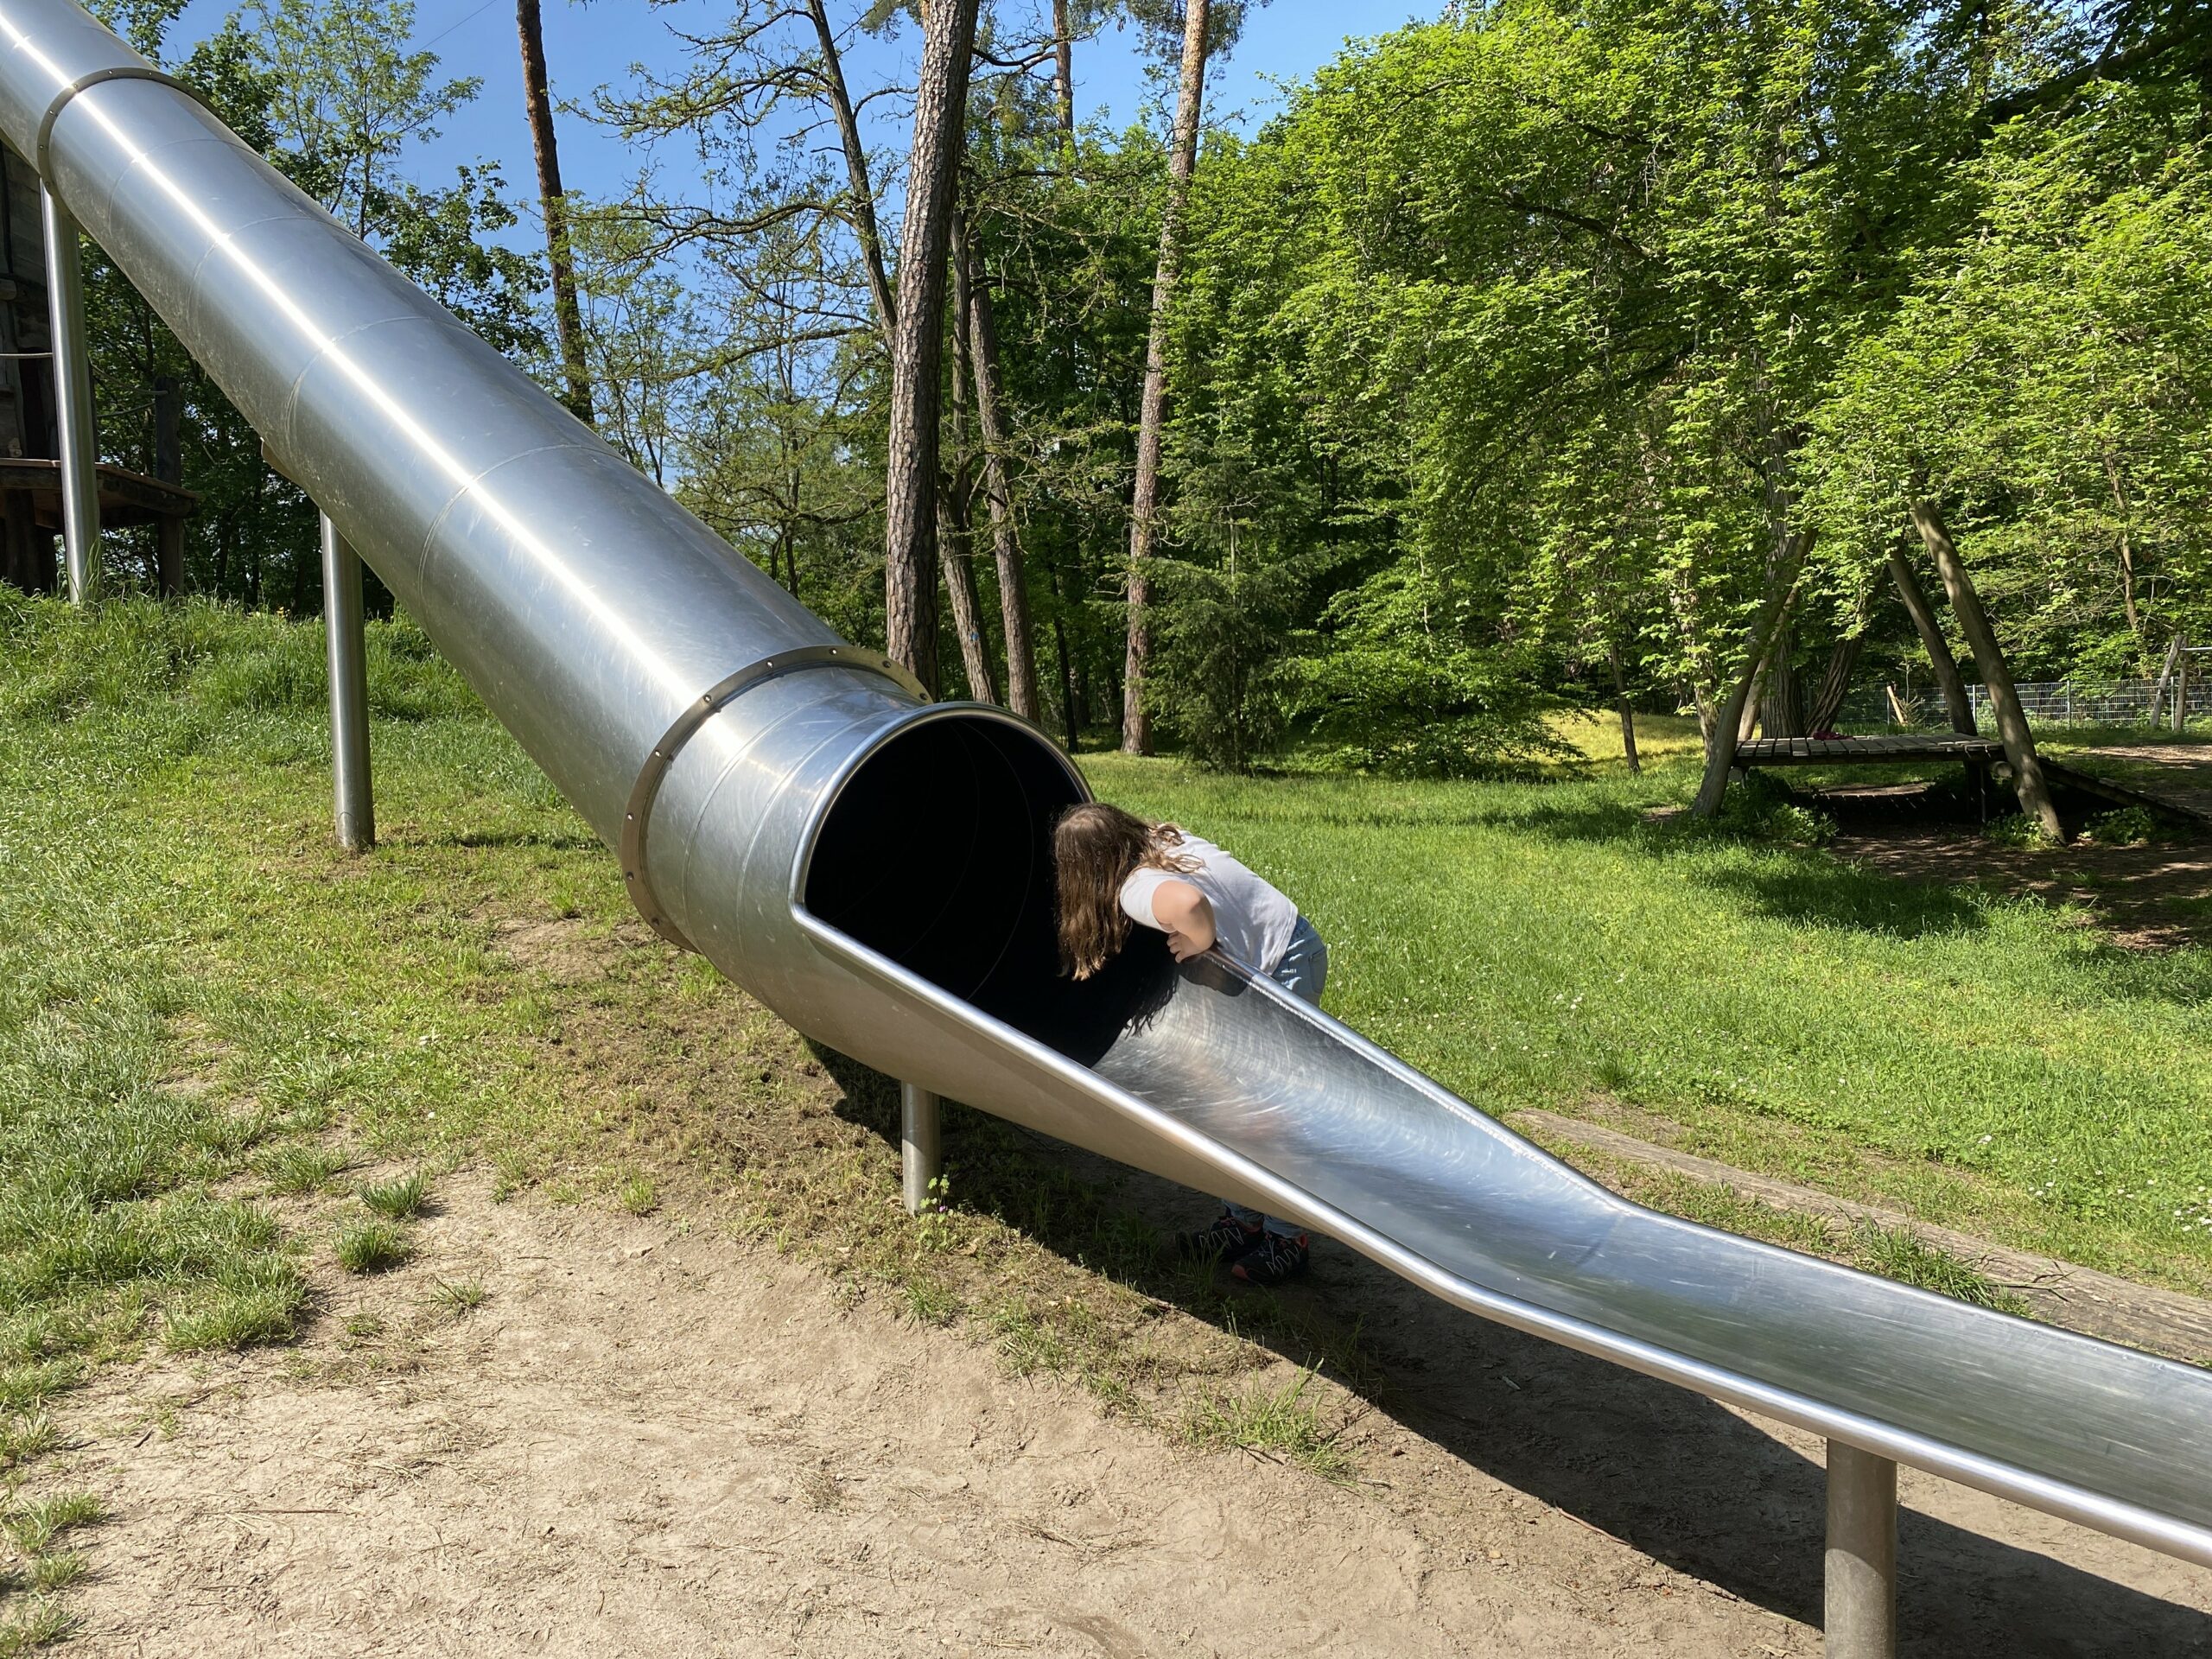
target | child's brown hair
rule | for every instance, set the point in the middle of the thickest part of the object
(1096, 847)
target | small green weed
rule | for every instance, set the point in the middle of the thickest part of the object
(2018, 830)
(2128, 826)
(638, 1196)
(56, 1568)
(399, 1199)
(301, 1167)
(36, 1524)
(364, 1325)
(371, 1247)
(1026, 1343)
(1279, 1422)
(928, 1301)
(25, 1437)
(459, 1298)
(44, 1623)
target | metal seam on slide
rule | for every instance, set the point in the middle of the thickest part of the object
(118, 72)
(637, 812)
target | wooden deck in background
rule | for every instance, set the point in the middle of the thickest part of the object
(1884, 749)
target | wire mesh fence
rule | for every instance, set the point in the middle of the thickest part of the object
(2046, 702)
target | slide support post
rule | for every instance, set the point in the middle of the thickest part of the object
(1861, 1615)
(73, 400)
(921, 1144)
(349, 691)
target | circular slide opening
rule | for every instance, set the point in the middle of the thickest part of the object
(938, 852)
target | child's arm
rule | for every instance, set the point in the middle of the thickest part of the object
(1188, 915)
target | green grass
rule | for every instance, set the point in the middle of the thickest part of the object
(1280, 1422)
(1981, 1061)
(372, 1246)
(201, 996)
(400, 1199)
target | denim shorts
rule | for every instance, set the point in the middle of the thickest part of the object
(1304, 965)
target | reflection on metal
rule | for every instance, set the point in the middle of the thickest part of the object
(921, 1145)
(877, 870)
(637, 812)
(349, 691)
(73, 401)
(1860, 1611)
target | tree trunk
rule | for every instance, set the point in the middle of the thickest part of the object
(568, 316)
(956, 511)
(952, 532)
(1064, 73)
(1144, 502)
(1956, 703)
(1071, 702)
(1989, 662)
(1835, 684)
(1782, 700)
(1014, 581)
(856, 174)
(1720, 742)
(1627, 715)
(917, 339)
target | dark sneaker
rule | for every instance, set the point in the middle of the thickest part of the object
(1276, 1258)
(1225, 1240)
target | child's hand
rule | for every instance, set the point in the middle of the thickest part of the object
(1182, 947)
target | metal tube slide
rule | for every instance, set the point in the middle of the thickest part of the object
(878, 870)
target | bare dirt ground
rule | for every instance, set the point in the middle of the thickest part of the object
(650, 1439)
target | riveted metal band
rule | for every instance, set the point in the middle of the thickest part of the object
(637, 814)
(119, 72)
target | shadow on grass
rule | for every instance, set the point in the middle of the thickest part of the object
(1664, 1470)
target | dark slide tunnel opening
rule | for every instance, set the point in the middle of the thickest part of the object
(938, 852)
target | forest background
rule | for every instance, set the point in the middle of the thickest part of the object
(1550, 352)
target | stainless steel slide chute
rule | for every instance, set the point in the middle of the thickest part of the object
(877, 869)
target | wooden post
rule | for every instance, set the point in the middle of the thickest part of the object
(1989, 660)
(2166, 678)
(2181, 683)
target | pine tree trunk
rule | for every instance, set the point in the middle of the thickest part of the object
(1989, 662)
(568, 315)
(956, 513)
(1956, 703)
(1144, 503)
(1014, 581)
(952, 531)
(918, 336)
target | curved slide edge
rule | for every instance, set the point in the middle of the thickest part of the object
(1281, 1104)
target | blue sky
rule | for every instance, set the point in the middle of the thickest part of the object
(594, 44)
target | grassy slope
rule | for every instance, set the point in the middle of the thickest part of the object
(202, 1001)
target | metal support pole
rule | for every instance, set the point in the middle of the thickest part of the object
(1861, 1615)
(349, 691)
(73, 401)
(921, 1144)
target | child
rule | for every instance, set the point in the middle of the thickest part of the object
(1114, 868)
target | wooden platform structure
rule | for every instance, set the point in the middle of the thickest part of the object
(30, 476)
(1882, 749)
